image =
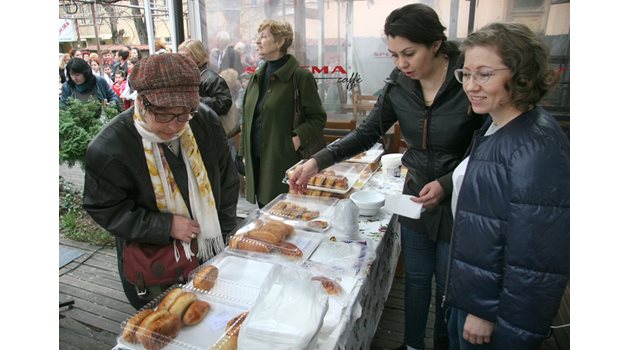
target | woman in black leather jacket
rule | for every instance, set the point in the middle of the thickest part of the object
(213, 89)
(435, 120)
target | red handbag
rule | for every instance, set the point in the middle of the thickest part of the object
(155, 265)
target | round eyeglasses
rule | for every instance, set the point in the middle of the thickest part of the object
(480, 76)
(167, 118)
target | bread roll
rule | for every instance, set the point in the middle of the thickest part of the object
(161, 331)
(182, 302)
(143, 330)
(129, 333)
(169, 299)
(205, 277)
(279, 228)
(248, 244)
(195, 312)
(265, 236)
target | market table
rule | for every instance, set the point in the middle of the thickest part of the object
(369, 296)
(381, 235)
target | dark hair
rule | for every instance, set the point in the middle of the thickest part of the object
(419, 24)
(123, 53)
(525, 54)
(121, 72)
(79, 65)
(138, 51)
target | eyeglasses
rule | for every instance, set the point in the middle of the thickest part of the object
(480, 76)
(167, 117)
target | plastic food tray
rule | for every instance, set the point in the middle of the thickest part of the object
(350, 171)
(306, 241)
(239, 279)
(365, 176)
(203, 335)
(369, 156)
(324, 206)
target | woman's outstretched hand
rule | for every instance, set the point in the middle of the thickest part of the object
(302, 173)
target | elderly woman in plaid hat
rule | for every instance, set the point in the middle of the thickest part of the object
(160, 175)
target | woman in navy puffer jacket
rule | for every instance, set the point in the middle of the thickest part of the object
(509, 260)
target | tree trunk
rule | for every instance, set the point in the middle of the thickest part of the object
(113, 24)
(141, 27)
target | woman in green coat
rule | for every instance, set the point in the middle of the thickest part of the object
(269, 143)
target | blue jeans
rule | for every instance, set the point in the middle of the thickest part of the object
(456, 341)
(422, 258)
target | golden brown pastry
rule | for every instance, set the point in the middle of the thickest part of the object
(279, 228)
(143, 329)
(330, 286)
(181, 303)
(248, 244)
(265, 236)
(310, 215)
(319, 180)
(169, 298)
(330, 181)
(341, 182)
(195, 313)
(161, 331)
(129, 333)
(289, 249)
(205, 277)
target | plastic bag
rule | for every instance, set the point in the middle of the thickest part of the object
(346, 220)
(288, 313)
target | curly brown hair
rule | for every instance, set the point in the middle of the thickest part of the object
(525, 54)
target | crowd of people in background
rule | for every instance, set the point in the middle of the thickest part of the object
(231, 62)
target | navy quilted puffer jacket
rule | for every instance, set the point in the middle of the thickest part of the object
(509, 260)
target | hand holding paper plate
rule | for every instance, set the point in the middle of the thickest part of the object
(402, 204)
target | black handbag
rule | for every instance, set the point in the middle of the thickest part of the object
(317, 142)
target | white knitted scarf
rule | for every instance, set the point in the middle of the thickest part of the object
(168, 196)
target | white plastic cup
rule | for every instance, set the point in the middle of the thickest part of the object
(391, 164)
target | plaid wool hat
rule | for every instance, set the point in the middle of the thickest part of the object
(167, 80)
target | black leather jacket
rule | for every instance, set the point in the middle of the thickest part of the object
(214, 91)
(450, 123)
(118, 193)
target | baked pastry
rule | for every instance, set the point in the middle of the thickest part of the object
(143, 328)
(341, 182)
(265, 236)
(278, 228)
(195, 312)
(161, 331)
(181, 303)
(310, 215)
(129, 333)
(318, 180)
(330, 286)
(205, 277)
(248, 244)
(330, 181)
(169, 299)
(318, 224)
(289, 249)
